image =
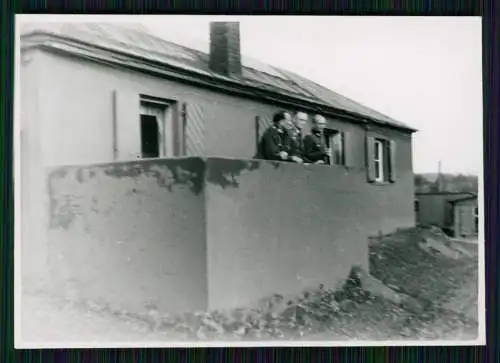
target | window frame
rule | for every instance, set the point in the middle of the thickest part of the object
(379, 163)
(162, 110)
(335, 137)
(381, 167)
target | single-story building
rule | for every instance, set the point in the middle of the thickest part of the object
(453, 212)
(465, 216)
(137, 171)
(102, 93)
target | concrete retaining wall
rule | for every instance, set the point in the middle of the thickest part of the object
(190, 233)
(130, 235)
(280, 227)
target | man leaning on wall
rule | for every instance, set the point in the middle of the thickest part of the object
(315, 150)
(295, 137)
(274, 142)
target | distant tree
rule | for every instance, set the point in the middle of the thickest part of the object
(466, 183)
(434, 187)
(422, 184)
(446, 183)
(420, 181)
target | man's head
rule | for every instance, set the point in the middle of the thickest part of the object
(300, 119)
(282, 120)
(319, 122)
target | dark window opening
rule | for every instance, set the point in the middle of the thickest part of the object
(476, 220)
(150, 144)
(334, 141)
(416, 206)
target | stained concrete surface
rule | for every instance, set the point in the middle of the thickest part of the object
(281, 227)
(130, 235)
(191, 233)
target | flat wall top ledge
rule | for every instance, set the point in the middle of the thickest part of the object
(198, 160)
(195, 171)
(167, 172)
(123, 164)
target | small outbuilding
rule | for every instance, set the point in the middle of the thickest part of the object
(456, 213)
(465, 216)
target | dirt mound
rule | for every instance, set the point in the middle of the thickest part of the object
(375, 287)
(422, 263)
(420, 286)
(435, 246)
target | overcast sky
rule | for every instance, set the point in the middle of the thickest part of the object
(426, 72)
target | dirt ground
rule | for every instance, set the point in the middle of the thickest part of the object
(438, 274)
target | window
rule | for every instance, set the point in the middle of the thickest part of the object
(416, 206)
(335, 141)
(379, 160)
(150, 137)
(156, 128)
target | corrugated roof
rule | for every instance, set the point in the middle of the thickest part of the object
(133, 39)
(463, 199)
(337, 100)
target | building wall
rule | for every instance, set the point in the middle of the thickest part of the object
(31, 173)
(84, 115)
(431, 209)
(280, 227)
(78, 108)
(129, 235)
(75, 103)
(435, 209)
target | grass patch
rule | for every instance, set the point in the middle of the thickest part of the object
(400, 263)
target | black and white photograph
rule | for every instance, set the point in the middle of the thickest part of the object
(248, 181)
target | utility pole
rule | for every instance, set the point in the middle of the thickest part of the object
(439, 177)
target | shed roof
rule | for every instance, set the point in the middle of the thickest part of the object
(464, 199)
(445, 193)
(134, 40)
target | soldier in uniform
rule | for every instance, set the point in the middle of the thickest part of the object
(273, 145)
(295, 137)
(315, 150)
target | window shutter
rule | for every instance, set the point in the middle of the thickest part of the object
(126, 125)
(193, 129)
(257, 136)
(177, 128)
(261, 125)
(392, 161)
(346, 148)
(181, 132)
(370, 158)
(264, 124)
(114, 124)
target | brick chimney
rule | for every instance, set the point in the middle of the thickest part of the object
(225, 55)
